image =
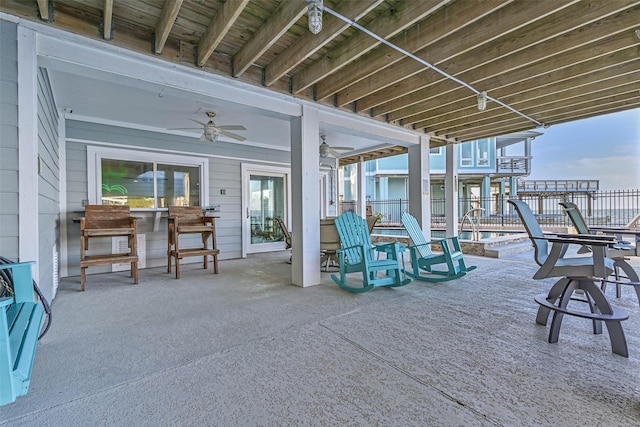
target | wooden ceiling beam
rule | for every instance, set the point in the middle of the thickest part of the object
(444, 22)
(608, 79)
(282, 18)
(573, 111)
(218, 28)
(388, 25)
(165, 22)
(542, 106)
(309, 43)
(496, 26)
(560, 116)
(107, 20)
(488, 133)
(540, 40)
(608, 109)
(373, 155)
(548, 72)
(621, 47)
(45, 9)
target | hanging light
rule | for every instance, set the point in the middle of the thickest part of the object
(315, 15)
(482, 100)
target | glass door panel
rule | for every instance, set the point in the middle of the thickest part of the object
(267, 199)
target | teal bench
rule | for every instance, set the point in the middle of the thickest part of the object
(20, 321)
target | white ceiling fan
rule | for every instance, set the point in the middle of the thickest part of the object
(326, 149)
(211, 131)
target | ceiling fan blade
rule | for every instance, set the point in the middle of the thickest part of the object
(232, 135)
(199, 122)
(343, 148)
(334, 153)
(231, 127)
(184, 129)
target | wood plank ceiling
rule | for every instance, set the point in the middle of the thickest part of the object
(554, 61)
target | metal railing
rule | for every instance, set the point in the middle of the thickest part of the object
(600, 208)
(513, 164)
(558, 186)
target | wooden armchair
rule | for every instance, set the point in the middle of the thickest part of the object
(184, 220)
(108, 221)
(285, 233)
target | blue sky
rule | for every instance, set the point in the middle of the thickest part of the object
(606, 148)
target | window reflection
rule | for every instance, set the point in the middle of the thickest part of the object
(141, 185)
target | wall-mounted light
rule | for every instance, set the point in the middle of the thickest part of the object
(315, 15)
(482, 100)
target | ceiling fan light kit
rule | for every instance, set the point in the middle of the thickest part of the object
(211, 132)
(326, 150)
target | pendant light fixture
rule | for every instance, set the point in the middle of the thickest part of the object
(315, 15)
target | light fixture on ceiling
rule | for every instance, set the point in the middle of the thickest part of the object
(482, 101)
(638, 33)
(315, 15)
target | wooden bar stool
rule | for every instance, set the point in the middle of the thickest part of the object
(190, 220)
(108, 221)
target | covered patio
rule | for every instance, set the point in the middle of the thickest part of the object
(246, 348)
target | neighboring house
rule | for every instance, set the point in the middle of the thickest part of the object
(485, 167)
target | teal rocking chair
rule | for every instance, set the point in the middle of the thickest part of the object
(358, 255)
(424, 259)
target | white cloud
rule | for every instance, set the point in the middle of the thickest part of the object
(614, 172)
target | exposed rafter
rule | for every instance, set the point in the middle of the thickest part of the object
(285, 15)
(165, 23)
(387, 25)
(218, 28)
(310, 43)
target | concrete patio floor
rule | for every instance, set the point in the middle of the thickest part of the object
(245, 348)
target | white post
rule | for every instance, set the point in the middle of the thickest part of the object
(451, 190)
(361, 209)
(28, 146)
(420, 185)
(305, 206)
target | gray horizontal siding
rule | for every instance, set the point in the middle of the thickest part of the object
(48, 186)
(9, 242)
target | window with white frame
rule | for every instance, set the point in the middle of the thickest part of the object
(145, 180)
(466, 154)
(482, 152)
(435, 150)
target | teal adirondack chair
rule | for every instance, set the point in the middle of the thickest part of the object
(359, 255)
(423, 258)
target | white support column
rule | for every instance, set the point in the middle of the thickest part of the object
(362, 189)
(485, 194)
(384, 188)
(305, 203)
(28, 146)
(420, 185)
(513, 191)
(62, 144)
(451, 190)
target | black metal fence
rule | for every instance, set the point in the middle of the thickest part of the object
(600, 208)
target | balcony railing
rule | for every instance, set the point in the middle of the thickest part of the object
(513, 165)
(558, 186)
